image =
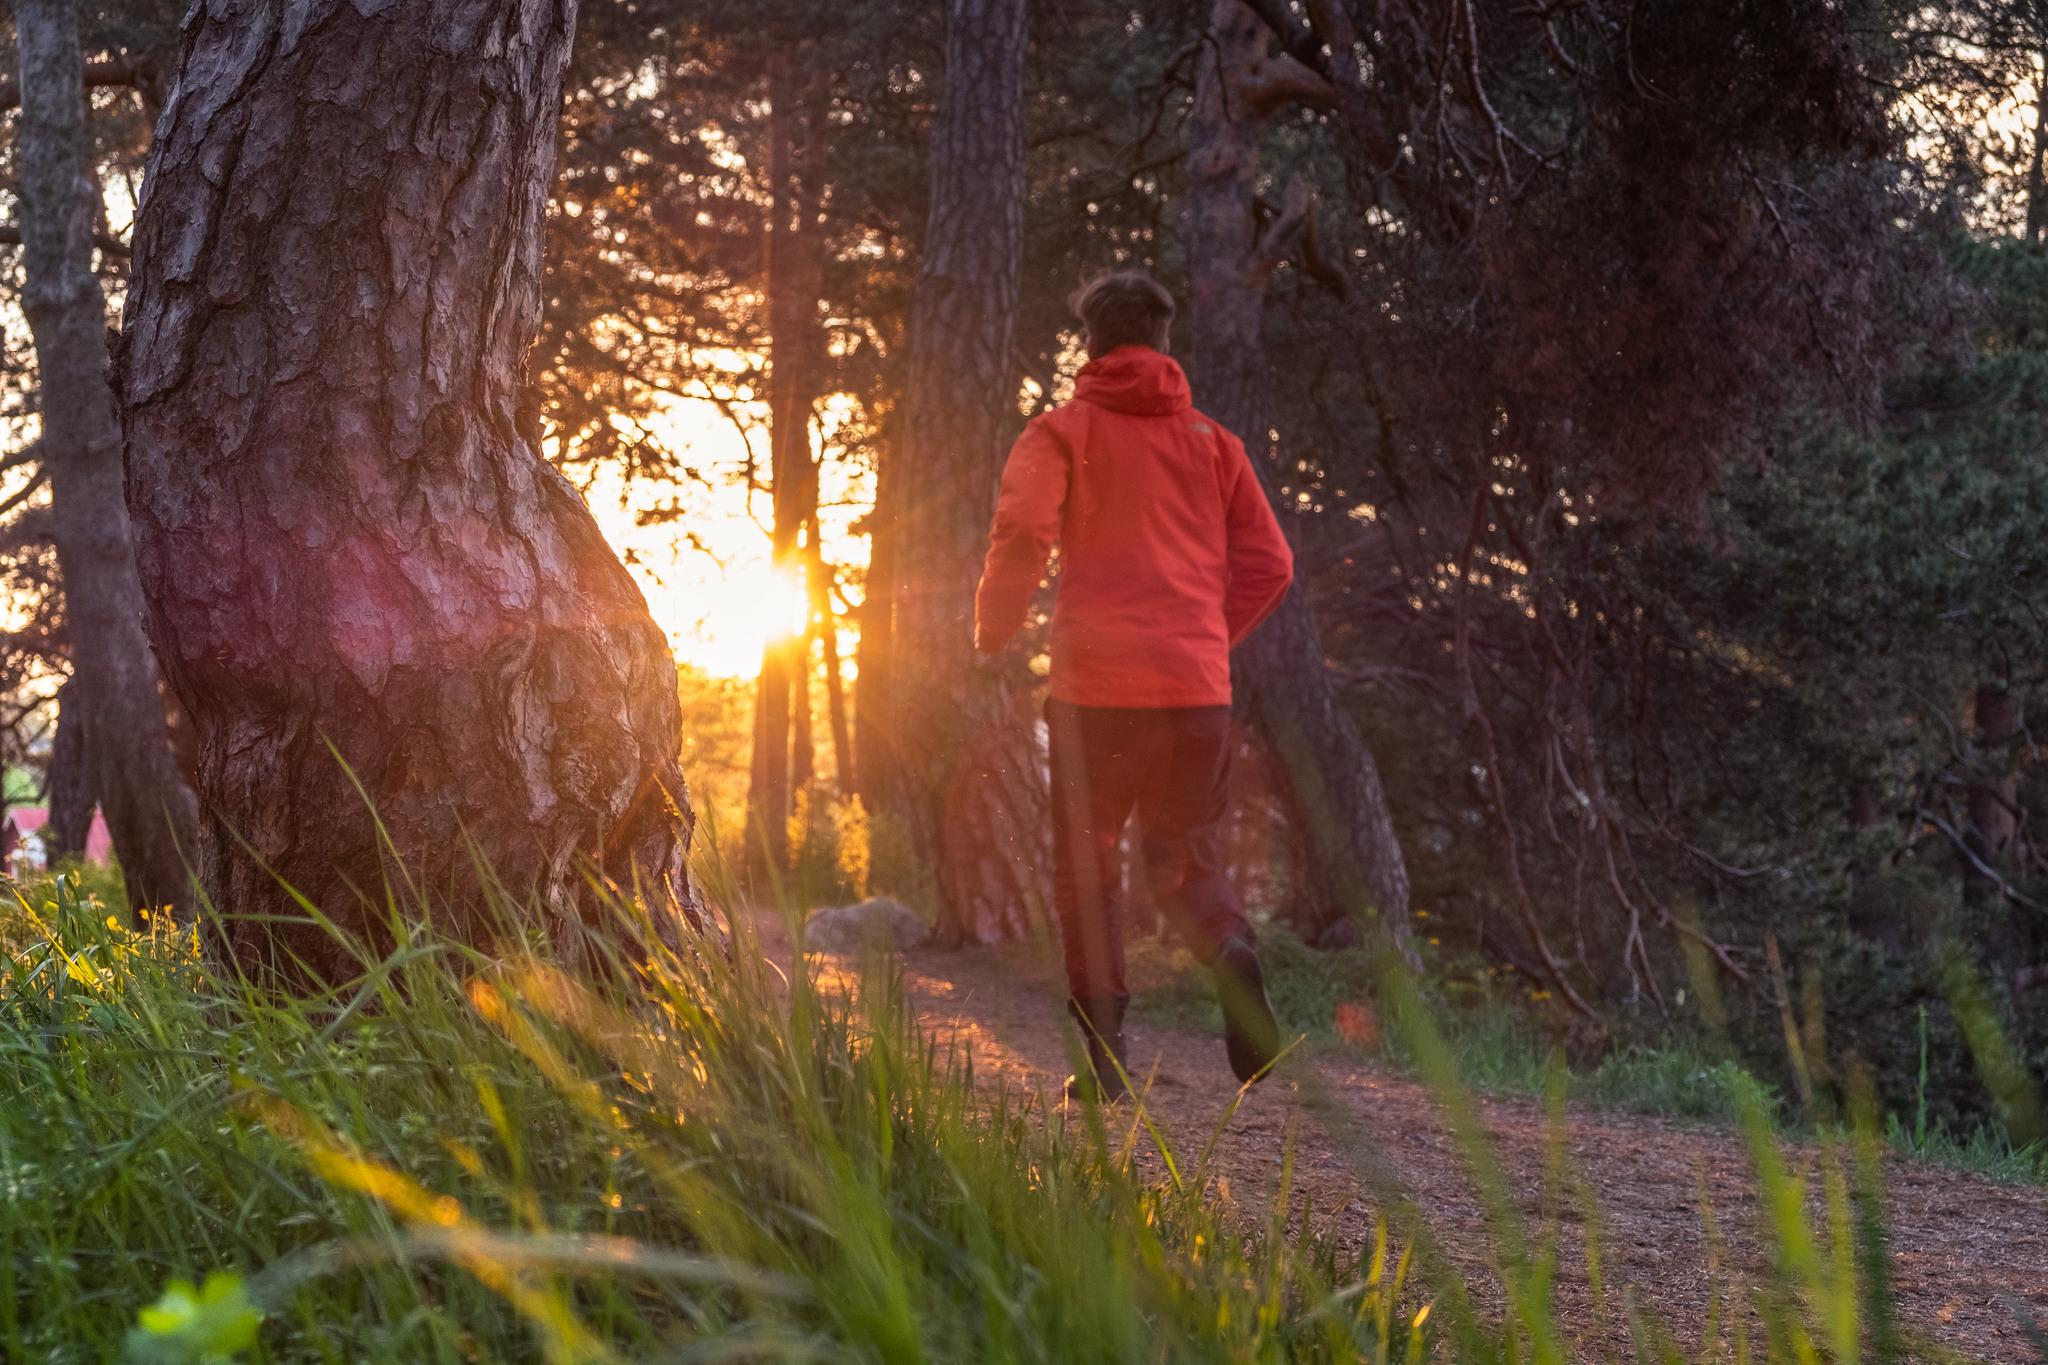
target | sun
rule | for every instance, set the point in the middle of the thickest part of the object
(723, 621)
(708, 576)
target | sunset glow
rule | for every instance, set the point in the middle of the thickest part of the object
(721, 622)
(706, 569)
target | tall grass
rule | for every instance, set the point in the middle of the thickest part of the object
(467, 1156)
(691, 1156)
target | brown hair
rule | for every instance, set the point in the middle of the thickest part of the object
(1124, 308)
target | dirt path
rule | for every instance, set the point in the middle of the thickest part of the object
(1959, 1246)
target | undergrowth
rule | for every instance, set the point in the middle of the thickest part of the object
(466, 1156)
(691, 1156)
(1506, 1046)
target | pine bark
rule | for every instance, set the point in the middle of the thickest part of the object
(112, 701)
(1352, 872)
(964, 774)
(358, 567)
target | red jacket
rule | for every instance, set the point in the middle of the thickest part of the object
(1169, 554)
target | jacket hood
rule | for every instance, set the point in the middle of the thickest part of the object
(1135, 379)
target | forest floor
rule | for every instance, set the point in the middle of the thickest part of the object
(1962, 1249)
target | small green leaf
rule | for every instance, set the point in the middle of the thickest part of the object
(190, 1326)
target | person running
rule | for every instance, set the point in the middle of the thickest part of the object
(1169, 556)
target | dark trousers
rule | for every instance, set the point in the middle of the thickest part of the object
(1171, 766)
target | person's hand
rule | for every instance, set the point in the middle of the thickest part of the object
(1001, 672)
(998, 663)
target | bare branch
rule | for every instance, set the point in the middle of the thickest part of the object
(1297, 40)
(1374, 150)
(1503, 136)
(1481, 724)
(1290, 234)
(107, 242)
(1279, 81)
(1283, 235)
(1317, 262)
(134, 72)
(28, 491)
(1955, 836)
(1558, 54)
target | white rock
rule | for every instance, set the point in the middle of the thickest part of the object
(877, 922)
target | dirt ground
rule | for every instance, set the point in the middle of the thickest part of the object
(1960, 1247)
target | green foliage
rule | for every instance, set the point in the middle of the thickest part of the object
(717, 742)
(205, 1326)
(466, 1157)
(1676, 1079)
(830, 847)
(896, 869)
(1504, 1042)
(71, 959)
(1905, 562)
(1985, 1150)
(1798, 739)
(21, 786)
(94, 885)
(1503, 1038)
(1307, 987)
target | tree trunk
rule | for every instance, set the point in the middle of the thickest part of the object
(965, 774)
(803, 744)
(819, 578)
(359, 569)
(71, 794)
(872, 714)
(1352, 873)
(792, 303)
(2037, 188)
(1993, 796)
(768, 771)
(127, 760)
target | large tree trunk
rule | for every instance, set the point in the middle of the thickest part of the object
(112, 700)
(346, 534)
(1352, 871)
(965, 775)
